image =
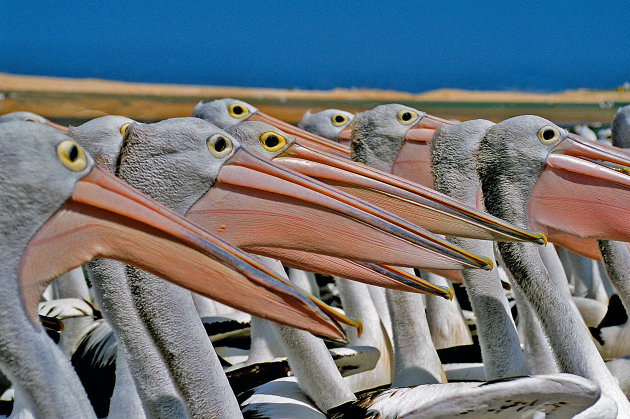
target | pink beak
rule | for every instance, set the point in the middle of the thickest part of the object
(583, 194)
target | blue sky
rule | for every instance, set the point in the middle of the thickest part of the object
(409, 46)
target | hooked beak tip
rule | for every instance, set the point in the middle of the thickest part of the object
(359, 326)
(448, 296)
(543, 239)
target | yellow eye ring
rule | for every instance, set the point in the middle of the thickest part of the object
(238, 110)
(219, 145)
(548, 134)
(272, 141)
(123, 128)
(406, 116)
(31, 119)
(71, 155)
(339, 119)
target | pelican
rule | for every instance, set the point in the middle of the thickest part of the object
(327, 123)
(59, 211)
(454, 173)
(528, 167)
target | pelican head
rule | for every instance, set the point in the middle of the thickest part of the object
(394, 138)
(102, 138)
(31, 117)
(566, 186)
(327, 123)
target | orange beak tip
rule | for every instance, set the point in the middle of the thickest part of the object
(489, 266)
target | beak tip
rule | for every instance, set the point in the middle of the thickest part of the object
(543, 239)
(489, 266)
(359, 326)
(449, 295)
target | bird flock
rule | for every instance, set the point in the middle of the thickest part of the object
(384, 264)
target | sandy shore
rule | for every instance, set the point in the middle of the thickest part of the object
(78, 99)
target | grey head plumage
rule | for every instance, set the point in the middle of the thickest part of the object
(223, 113)
(621, 128)
(261, 139)
(35, 182)
(378, 134)
(22, 116)
(189, 152)
(327, 123)
(452, 158)
(102, 138)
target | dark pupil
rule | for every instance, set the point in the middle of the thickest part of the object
(220, 144)
(73, 153)
(339, 118)
(237, 110)
(272, 141)
(548, 134)
(406, 116)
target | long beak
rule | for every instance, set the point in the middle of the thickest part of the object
(107, 218)
(368, 273)
(417, 204)
(315, 141)
(58, 127)
(255, 204)
(583, 192)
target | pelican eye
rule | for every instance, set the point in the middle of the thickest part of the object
(238, 110)
(272, 141)
(406, 116)
(339, 119)
(71, 155)
(219, 145)
(548, 134)
(31, 119)
(123, 128)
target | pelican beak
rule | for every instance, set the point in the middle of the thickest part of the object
(107, 218)
(345, 136)
(417, 204)
(57, 127)
(261, 207)
(368, 273)
(583, 192)
(315, 141)
(413, 161)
